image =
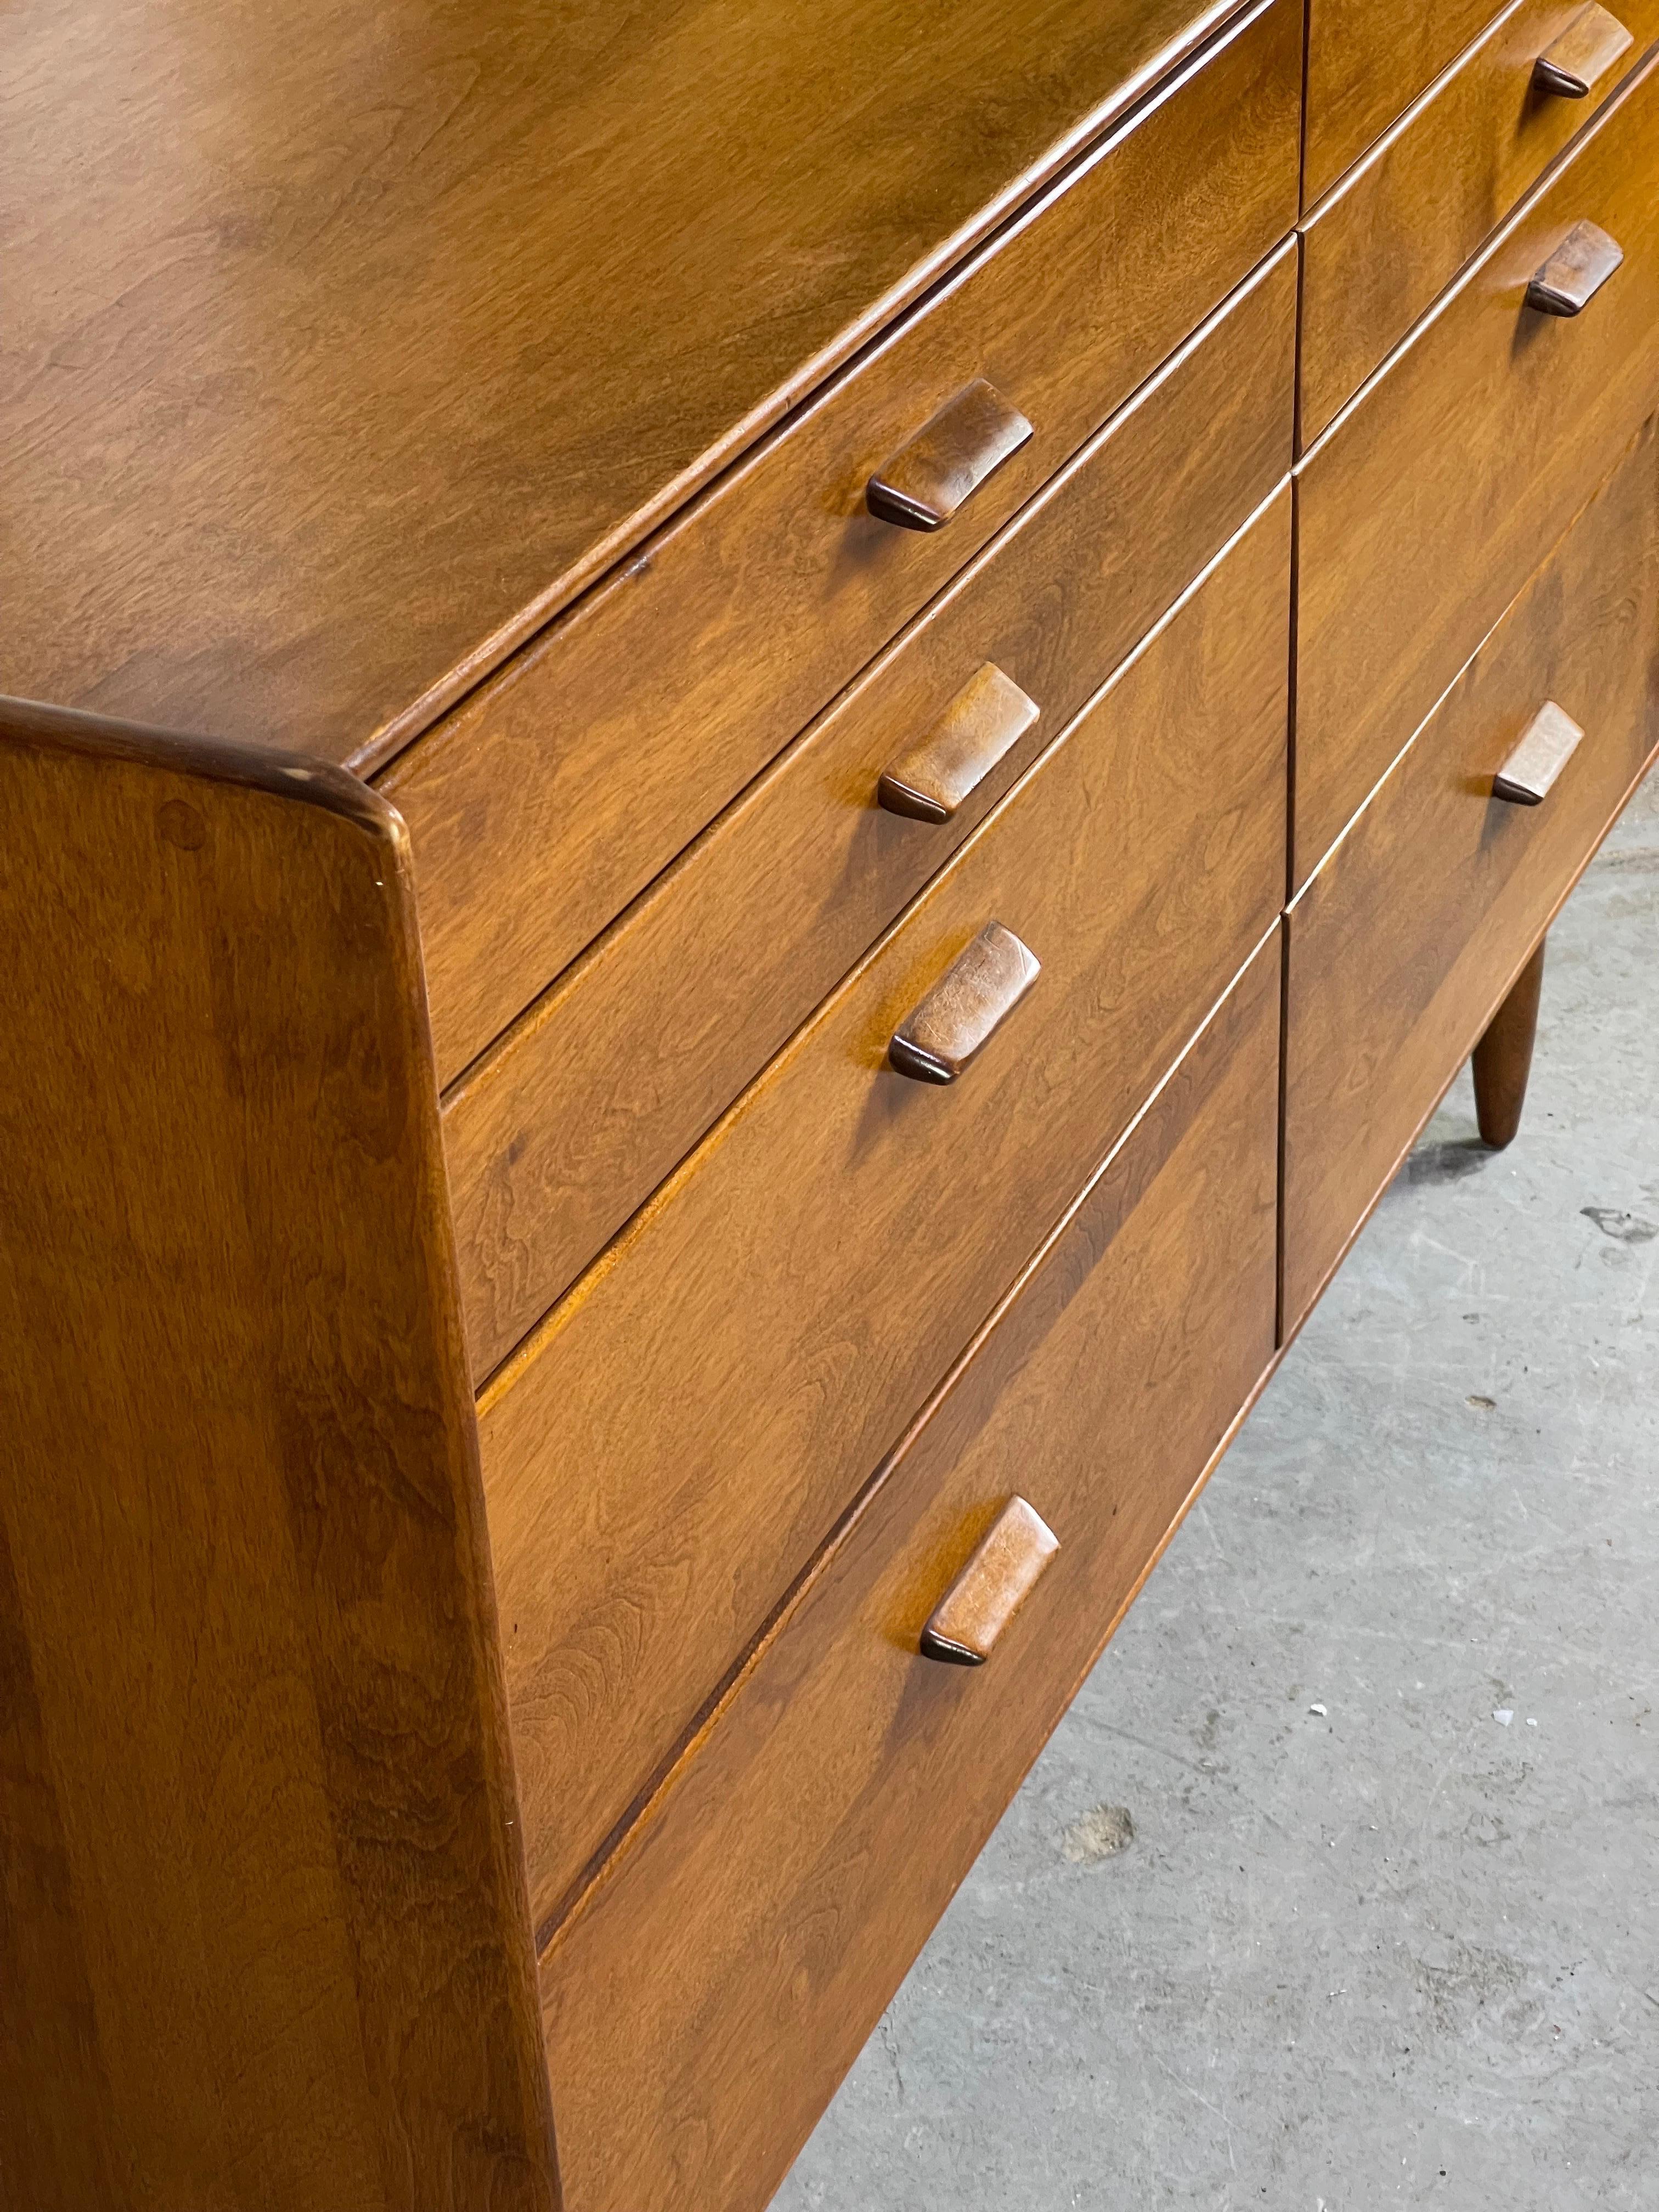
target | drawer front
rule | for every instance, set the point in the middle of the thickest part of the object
(609, 1082)
(1400, 225)
(674, 1442)
(544, 805)
(1408, 937)
(719, 1980)
(1366, 63)
(1428, 505)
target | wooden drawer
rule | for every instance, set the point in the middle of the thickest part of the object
(674, 1443)
(1408, 937)
(545, 803)
(1366, 63)
(721, 1978)
(1428, 504)
(560, 1134)
(1401, 224)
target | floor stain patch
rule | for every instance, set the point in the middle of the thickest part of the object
(1613, 1221)
(1450, 1161)
(1098, 1835)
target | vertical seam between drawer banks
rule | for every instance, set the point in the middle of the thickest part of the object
(1302, 127)
(1294, 634)
(501, 1379)
(1284, 1102)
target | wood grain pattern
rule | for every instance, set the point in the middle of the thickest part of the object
(1425, 508)
(263, 1941)
(608, 1083)
(556, 794)
(1502, 1062)
(1585, 54)
(931, 778)
(721, 1978)
(1366, 65)
(732, 1369)
(1576, 272)
(925, 483)
(1380, 1018)
(1401, 224)
(969, 1622)
(1527, 776)
(959, 1013)
(346, 343)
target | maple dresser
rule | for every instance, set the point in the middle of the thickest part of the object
(758, 763)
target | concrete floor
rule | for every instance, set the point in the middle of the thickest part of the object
(1370, 1942)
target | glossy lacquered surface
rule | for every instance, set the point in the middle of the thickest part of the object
(560, 790)
(346, 341)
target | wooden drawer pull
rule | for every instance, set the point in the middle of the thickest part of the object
(1547, 745)
(988, 714)
(948, 460)
(1583, 54)
(1575, 272)
(968, 1619)
(977, 991)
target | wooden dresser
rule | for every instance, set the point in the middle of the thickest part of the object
(758, 763)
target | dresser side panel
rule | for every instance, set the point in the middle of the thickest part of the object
(263, 1932)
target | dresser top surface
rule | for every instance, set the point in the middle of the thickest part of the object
(348, 339)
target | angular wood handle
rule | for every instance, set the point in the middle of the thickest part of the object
(947, 460)
(1575, 272)
(965, 1623)
(987, 715)
(1573, 63)
(1547, 745)
(977, 991)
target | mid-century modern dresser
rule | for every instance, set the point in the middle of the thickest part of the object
(759, 760)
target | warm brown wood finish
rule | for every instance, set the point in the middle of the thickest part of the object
(1585, 54)
(1401, 224)
(928, 481)
(1585, 260)
(969, 1622)
(1503, 1060)
(554, 796)
(1380, 1018)
(1427, 506)
(669, 1449)
(1366, 63)
(348, 342)
(941, 1036)
(800, 509)
(609, 1082)
(719, 1981)
(986, 718)
(1526, 774)
(264, 1942)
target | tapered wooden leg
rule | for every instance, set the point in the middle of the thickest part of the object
(1502, 1058)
